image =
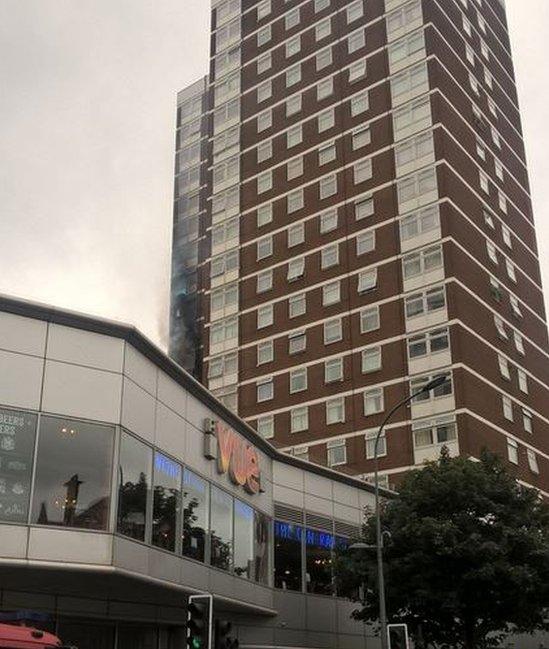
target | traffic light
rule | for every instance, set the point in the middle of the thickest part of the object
(398, 636)
(199, 622)
(223, 639)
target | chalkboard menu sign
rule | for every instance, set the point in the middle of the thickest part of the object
(17, 435)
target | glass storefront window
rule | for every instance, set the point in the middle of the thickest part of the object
(137, 637)
(195, 515)
(17, 437)
(221, 521)
(319, 547)
(288, 549)
(134, 483)
(73, 474)
(166, 502)
(261, 547)
(243, 540)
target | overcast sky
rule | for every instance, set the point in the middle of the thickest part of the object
(87, 111)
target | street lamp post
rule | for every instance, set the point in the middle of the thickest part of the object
(435, 383)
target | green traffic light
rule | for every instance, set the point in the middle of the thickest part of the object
(196, 643)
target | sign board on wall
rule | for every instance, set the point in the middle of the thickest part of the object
(233, 455)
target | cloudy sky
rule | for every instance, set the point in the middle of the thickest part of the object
(87, 108)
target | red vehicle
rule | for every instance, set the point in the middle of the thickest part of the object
(24, 637)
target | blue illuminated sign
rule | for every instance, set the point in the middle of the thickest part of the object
(167, 467)
(287, 531)
(320, 539)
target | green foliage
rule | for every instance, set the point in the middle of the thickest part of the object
(467, 559)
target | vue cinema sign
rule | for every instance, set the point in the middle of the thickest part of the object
(234, 456)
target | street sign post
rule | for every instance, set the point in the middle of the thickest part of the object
(398, 636)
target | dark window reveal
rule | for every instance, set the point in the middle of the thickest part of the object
(288, 550)
(134, 483)
(73, 474)
(195, 515)
(166, 502)
(261, 547)
(319, 547)
(17, 436)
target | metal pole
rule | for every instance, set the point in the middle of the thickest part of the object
(379, 535)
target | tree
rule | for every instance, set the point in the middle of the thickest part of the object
(467, 559)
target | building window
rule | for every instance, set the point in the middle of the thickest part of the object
(296, 268)
(323, 60)
(293, 75)
(356, 41)
(264, 215)
(196, 510)
(364, 207)
(296, 235)
(367, 280)
(362, 171)
(511, 273)
(17, 440)
(422, 262)
(72, 484)
(264, 63)
(419, 223)
(298, 380)
(444, 390)
(221, 523)
(532, 461)
(519, 343)
(365, 242)
(292, 18)
(265, 353)
(329, 256)
(264, 182)
(326, 153)
(492, 253)
(264, 91)
(337, 452)
(500, 328)
(371, 445)
(325, 88)
(371, 359)
(297, 305)
(437, 431)
(167, 477)
(288, 556)
(265, 390)
(373, 401)
(512, 451)
(333, 331)
(359, 104)
(426, 302)
(294, 136)
(522, 381)
(357, 70)
(222, 366)
(326, 120)
(507, 407)
(264, 151)
(319, 548)
(321, 4)
(243, 540)
(265, 426)
(295, 201)
(369, 319)
(355, 11)
(362, 137)
(331, 293)
(428, 343)
(333, 370)
(503, 365)
(294, 168)
(293, 105)
(293, 46)
(328, 221)
(297, 342)
(299, 419)
(323, 29)
(265, 316)
(264, 281)
(335, 410)
(263, 36)
(264, 247)
(527, 421)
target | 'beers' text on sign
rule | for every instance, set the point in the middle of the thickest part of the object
(238, 459)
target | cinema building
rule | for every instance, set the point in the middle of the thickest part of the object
(125, 487)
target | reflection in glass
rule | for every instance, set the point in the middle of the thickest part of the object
(195, 515)
(73, 474)
(134, 480)
(288, 541)
(17, 435)
(137, 637)
(86, 634)
(319, 547)
(221, 521)
(261, 547)
(243, 540)
(166, 501)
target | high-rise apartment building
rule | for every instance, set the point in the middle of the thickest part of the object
(353, 177)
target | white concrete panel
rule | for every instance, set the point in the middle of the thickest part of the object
(70, 546)
(316, 505)
(131, 556)
(348, 514)
(82, 392)
(288, 496)
(345, 494)
(23, 335)
(13, 544)
(197, 413)
(163, 565)
(138, 410)
(367, 500)
(288, 476)
(85, 348)
(319, 486)
(194, 575)
(20, 380)
(140, 370)
(170, 432)
(172, 394)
